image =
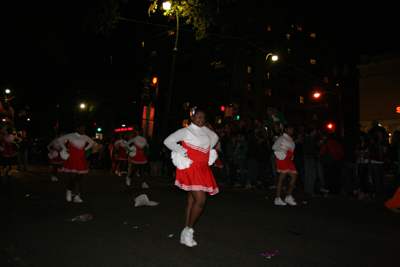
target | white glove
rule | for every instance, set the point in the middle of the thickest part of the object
(64, 154)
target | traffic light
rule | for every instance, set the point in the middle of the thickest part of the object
(330, 127)
(153, 88)
(99, 129)
(222, 108)
(235, 111)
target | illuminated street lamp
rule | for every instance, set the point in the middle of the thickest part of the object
(167, 6)
(8, 91)
(82, 106)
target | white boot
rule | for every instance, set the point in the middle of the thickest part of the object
(187, 237)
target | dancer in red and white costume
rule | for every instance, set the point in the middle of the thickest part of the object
(193, 173)
(55, 159)
(138, 158)
(9, 153)
(283, 150)
(75, 159)
(121, 156)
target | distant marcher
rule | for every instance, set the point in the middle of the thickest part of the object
(240, 158)
(75, 160)
(284, 150)
(55, 159)
(9, 142)
(120, 155)
(139, 159)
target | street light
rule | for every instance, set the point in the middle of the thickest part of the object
(318, 94)
(8, 91)
(167, 6)
(274, 58)
(82, 106)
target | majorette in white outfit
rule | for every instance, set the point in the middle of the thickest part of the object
(75, 159)
(54, 155)
(139, 143)
(7, 141)
(121, 144)
(193, 158)
(283, 150)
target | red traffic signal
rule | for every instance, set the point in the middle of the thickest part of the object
(222, 108)
(330, 126)
(154, 80)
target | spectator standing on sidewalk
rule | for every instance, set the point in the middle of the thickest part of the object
(333, 170)
(276, 117)
(259, 127)
(251, 153)
(263, 159)
(240, 155)
(310, 153)
(75, 160)
(231, 158)
(379, 154)
(193, 173)
(23, 154)
(284, 151)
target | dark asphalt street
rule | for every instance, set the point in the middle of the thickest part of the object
(237, 226)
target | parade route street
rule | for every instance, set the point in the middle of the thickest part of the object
(236, 227)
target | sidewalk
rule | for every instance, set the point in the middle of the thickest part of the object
(236, 227)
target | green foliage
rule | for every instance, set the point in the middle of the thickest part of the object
(200, 14)
(103, 15)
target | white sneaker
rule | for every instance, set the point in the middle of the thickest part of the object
(69, 195)
(272, 187)
(128, 181)
(290, 200)
(77, 199)
(144, 185)
(279, 202)
(187, 237)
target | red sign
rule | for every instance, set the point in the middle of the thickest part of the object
(398, 109)
(124, 129)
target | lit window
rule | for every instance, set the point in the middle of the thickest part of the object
(186, 105)
(313, 35)
(249, 69)
(153, 54)
(268, 91)
(171, 32)
(218, 120)
(288, 51)
(185, 122)
(313, 61)
(314, 116)
(269, 28)
(288, 36)
(301, 99)
(326, 79)
(299, 28)
(268, 75)
(249, 87)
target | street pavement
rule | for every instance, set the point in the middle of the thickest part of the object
(235, 229)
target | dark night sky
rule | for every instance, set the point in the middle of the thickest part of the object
(43, 46)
